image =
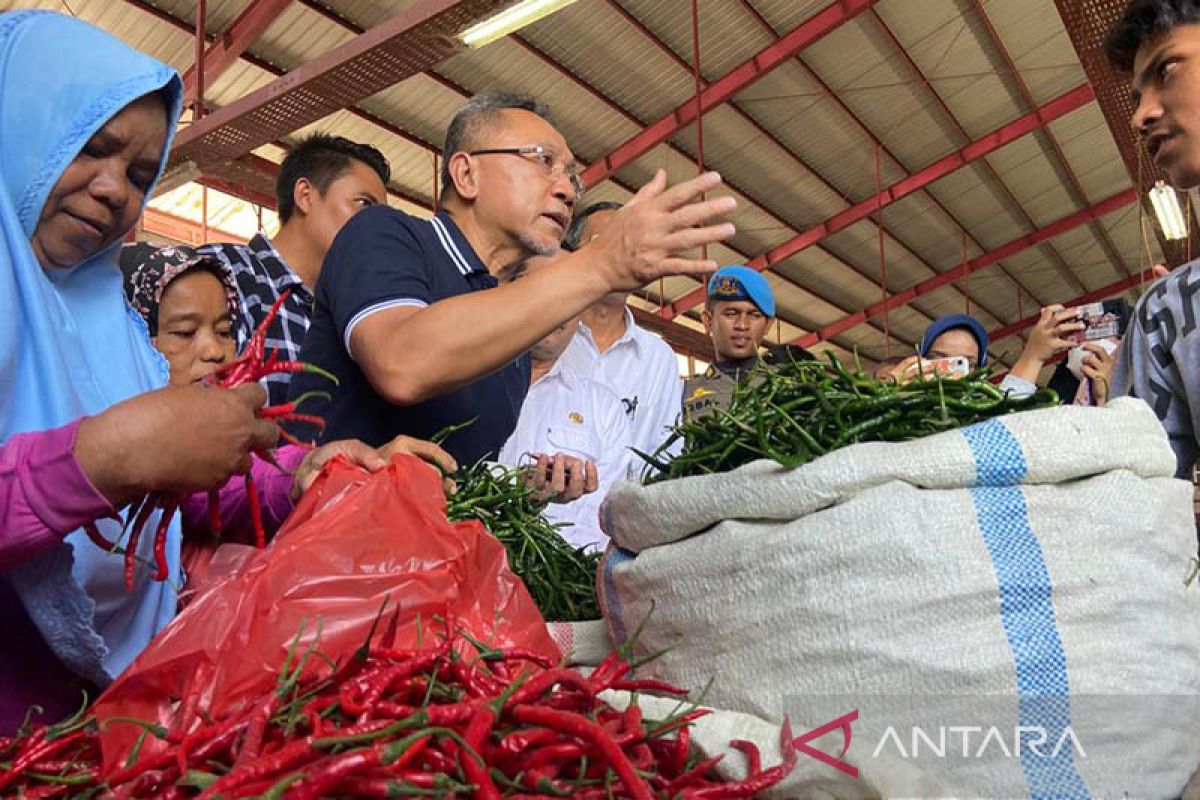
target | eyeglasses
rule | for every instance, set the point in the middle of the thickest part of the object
(545, 159)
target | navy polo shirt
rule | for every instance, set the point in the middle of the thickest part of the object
(381, 259)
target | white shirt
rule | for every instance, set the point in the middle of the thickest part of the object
(641, 368)
(566, 413)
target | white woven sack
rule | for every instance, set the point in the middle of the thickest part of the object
(1024, 576)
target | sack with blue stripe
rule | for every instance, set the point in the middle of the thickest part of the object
(1003, 608)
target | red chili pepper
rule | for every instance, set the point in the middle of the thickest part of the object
(290, 439)
(593, 734)
(611, 669)
(327, 773)
(749, 749)
(762, 780)
(361, 695)
(692, 776)
(304, 419)
(648, 685)
(678, 722)
(256, 730)
(271, 765)
(521, 654)
(93, 533)
(143, 516)
(40, 751)
(237, 372)
(476, 684)
(682, 745)
(260, 533)
(517, 741)
(538, 685)
(160, 541)
(550, 755)
(214, 512)
(473, 766)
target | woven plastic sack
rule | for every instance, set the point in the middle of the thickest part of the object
(961, 595)
(354, 541)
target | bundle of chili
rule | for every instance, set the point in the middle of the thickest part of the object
(560, 578)
(798, 411)
(252, 365)
(457, 718)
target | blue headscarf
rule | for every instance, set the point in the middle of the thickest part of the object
(69, 344)
(951, 322)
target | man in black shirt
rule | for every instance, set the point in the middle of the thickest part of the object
(409, 316)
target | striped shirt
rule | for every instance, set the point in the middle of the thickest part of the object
(262, 276)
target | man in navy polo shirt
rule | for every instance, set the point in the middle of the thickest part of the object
(409, 315)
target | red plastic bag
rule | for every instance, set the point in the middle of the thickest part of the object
(354, 540)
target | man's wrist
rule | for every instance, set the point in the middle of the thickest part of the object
(593, 270)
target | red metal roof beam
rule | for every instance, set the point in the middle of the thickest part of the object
(235, 40)
(773, 55)
(1058, 107)
(1005, 251)
(408, 43)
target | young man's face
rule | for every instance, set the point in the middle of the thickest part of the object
(347, 194)
(1166, 94)
(737, 328)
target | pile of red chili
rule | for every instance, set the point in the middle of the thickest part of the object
(252, 365)
(453, 719)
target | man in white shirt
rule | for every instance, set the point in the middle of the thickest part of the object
(566, 414)
(611, 349)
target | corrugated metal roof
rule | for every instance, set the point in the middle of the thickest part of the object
(793, 151)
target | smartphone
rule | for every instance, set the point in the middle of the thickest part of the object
(949, 367)
(1106, 320)
(957, 366)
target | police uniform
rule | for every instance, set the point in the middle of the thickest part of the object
(703, 394)
(714, 389)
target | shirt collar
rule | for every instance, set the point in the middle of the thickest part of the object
(632, 333)
(456, 245)
(281, 274)
(561, 372)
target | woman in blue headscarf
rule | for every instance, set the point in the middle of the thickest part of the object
(85, 127)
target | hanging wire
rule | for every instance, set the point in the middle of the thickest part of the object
(966, 274)
(883, 290)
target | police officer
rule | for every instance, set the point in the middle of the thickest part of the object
(737, 315)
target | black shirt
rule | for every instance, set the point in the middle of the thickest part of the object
(381, 259)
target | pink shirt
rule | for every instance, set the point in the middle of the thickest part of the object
(45, 495)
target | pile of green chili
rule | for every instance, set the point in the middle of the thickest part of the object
(561, 579)
(799, 411)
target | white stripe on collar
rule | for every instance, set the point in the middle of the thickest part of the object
(449, 246)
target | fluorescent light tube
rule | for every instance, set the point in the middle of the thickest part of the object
(1167, 210)
(511, 19)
